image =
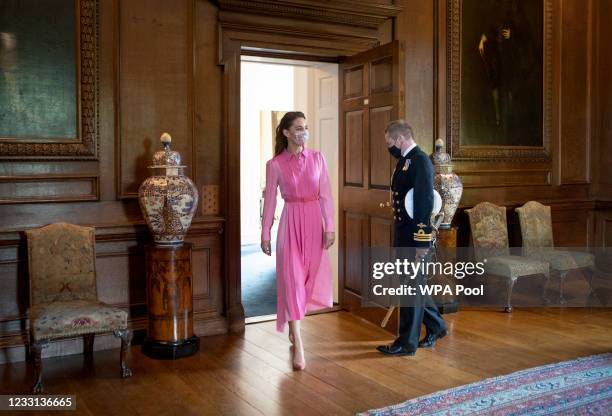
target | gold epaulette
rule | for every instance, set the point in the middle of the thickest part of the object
(421, 236)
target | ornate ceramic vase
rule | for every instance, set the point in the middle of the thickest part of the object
(447, 183)
(168, 199)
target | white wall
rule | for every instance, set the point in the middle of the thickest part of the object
(264, 87)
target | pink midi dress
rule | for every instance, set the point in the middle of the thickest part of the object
(303, 271)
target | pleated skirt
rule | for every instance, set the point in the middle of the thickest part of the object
(303, 270)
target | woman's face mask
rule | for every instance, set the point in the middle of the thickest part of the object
(301, 137)
(298, 133)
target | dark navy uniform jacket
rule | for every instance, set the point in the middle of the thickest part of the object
(413, 171)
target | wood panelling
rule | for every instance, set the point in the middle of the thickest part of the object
(174, 66)
(148, 53)
(485, 178)
(582, 109)
(381, 75)
(355, 239)
(601, 101)
(575, 137)
(155, 85)
(208, 99)
(381, 165)
(353, 166)
(353, 82)
(121, 279)
(602, 219)
(415, 26)
(48, 188)
(370, 14)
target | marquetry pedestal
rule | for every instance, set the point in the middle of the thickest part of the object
(447, 243)
(169, 303)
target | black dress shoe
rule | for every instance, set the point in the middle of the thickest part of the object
(395, 350)
(430, 339)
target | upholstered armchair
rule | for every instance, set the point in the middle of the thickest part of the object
(63, 295)
(490, 238)
(537, 234)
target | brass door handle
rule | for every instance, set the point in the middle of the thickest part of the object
(384, 204)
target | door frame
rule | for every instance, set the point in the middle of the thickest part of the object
(232, 45)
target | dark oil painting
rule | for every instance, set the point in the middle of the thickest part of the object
(38, 79)
(501, 72)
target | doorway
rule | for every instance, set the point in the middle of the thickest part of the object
(269, 87)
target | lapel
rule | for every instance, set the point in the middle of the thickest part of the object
(401, 162)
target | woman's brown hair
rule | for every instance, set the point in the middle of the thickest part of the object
(285, 124)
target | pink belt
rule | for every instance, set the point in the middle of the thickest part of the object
(303, 199)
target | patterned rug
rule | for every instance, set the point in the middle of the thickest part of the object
(577, 387)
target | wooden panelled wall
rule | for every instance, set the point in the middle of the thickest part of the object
(576, 182)
(159, 71)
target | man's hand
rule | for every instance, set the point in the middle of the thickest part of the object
(266, 247)
(328, 239)
(481, 44)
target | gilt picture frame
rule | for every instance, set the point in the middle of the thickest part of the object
(499, 98)
(39, 81)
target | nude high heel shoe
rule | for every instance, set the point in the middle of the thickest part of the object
(297, 365)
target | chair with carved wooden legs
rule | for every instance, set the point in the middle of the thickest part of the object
(63, 294)
(537, 233)
(490, 238)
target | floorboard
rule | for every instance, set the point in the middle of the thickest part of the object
(251, 374)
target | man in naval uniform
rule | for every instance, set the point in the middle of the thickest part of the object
(414, 171)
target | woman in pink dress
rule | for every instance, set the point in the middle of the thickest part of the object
(305, 231)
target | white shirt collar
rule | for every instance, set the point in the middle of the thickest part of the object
(405, 152)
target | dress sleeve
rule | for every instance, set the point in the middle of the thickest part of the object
(269, 200)
(325, 197)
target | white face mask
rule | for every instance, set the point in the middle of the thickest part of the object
(301, 137)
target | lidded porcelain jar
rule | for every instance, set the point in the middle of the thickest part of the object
(447, 183)
(168, 199)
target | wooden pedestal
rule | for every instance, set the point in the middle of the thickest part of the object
(447, 241)
(169, 303)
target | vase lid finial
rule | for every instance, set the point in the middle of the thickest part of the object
(165, 138)
(439, 157)
(166, 158)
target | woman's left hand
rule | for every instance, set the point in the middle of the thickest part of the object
(328, 239)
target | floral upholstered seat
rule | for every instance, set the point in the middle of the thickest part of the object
(63, 295)
(490, 238)
(538, 243)
(73, 318)
(514, 267)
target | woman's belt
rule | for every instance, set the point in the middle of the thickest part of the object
(291, 199)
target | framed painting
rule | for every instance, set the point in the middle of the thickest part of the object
(48, 79)
(500, 79)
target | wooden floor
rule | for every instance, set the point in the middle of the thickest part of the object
(250, 374)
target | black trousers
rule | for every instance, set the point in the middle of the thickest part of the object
(425, 310)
